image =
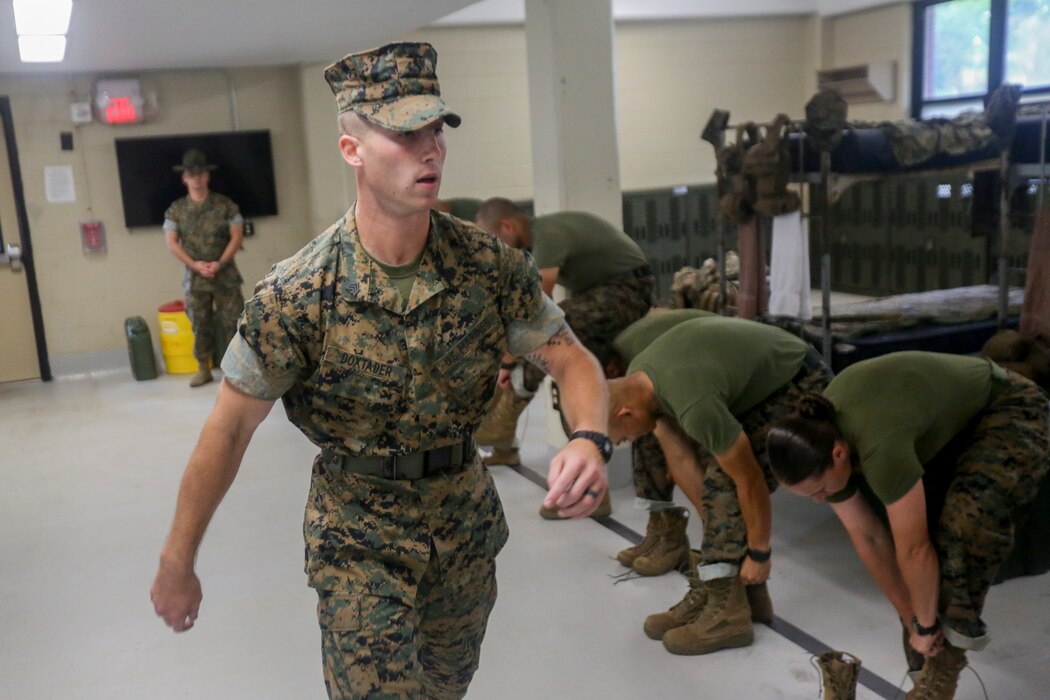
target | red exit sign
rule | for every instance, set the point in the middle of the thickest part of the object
(121, 110)
(120, 101)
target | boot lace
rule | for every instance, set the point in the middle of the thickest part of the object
(938, 682)
(692, 599)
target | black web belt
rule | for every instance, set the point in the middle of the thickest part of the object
(414, 465)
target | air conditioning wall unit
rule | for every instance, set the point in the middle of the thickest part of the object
(871, 82)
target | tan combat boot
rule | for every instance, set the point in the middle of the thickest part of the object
(604, 510)
(671, 549)
(724, 623)
(203, 375)
(839, 672)
(940, 675)
(499, 427)
(627, 556)
(760, 603)
(681, 613)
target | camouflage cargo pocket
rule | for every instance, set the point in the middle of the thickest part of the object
(366, 646)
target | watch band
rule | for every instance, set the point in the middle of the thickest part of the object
(600, 439)
(926, 631)
(757, 555)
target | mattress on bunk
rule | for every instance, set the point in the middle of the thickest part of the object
(868, 150)
(941, 307)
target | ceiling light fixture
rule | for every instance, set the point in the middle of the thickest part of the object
(41, 26)
(42, 49)
(49, 17)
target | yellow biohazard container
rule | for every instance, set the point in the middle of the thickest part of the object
(176, 338)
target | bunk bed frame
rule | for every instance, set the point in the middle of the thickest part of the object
(1012, 166)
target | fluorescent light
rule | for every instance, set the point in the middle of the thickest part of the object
(42, 49)
(42, 16)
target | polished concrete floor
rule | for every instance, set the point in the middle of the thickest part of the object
(89, 468)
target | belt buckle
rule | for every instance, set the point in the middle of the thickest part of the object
(437, 460)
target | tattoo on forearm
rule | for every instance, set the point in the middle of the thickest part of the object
(563, 338)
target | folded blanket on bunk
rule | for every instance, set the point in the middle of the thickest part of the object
(937, 307)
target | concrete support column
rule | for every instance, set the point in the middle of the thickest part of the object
(572, 104)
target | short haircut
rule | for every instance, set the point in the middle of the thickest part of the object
(494, 210)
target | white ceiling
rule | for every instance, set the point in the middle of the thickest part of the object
(126, 35)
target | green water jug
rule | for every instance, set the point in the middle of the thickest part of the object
(140, 348)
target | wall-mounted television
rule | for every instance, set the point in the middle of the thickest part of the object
(148, 185)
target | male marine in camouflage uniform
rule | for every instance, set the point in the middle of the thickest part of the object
(710, 387)
(653, 473)
(610, 283)
(383, 338)
(204, 230)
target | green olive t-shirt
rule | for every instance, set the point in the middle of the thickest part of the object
(708, 371)
(586, 249)
(897, 411)
(638, 336)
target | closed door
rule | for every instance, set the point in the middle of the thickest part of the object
(18, 350)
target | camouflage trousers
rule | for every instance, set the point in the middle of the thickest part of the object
(598, 314)
(725, 534)
(999, 466)
(213, 312)
(649, 470)
(385, 648)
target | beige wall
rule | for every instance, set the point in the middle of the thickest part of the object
(669, 77)
(86, 297)
(879, 34)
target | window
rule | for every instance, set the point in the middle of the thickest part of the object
(964, 49)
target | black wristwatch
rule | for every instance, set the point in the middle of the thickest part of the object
(926, 631)
(757, 555)
(602, 440)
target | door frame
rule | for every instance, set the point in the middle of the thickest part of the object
(24, 239)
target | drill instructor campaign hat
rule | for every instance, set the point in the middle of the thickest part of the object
(394, 86)
(194, 161)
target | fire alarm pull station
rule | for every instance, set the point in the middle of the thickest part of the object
(92, 236)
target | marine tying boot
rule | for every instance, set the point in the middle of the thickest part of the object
(940, 675)
(671, 549)
(724, 623)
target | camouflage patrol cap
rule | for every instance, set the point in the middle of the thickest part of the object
(394, 86)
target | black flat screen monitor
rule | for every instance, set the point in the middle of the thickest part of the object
(148, 185)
